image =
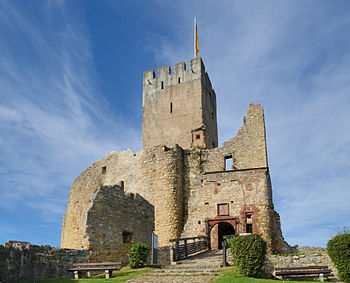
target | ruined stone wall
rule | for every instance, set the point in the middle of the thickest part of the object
(115, 167)
(155, 173)
(23, 261)
(112, 214)
(179, 108)
(248, 147)
(246, 188)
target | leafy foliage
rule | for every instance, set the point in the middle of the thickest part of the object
(338, 248)
(138, 254)
(248, 254)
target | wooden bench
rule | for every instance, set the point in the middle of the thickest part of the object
(304, 270)
(108, 267)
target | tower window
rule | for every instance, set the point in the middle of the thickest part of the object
(198, 137)
(178, 80)
(161, 84)
(212, 115)
(104, 170)
(171, 107)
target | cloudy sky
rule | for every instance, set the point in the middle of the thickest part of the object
(71, 90)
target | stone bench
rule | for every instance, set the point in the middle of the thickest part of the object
(108, 267)
(303, 270)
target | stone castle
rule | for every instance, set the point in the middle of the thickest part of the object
(181, 184)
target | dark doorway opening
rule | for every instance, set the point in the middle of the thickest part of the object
(224, 229)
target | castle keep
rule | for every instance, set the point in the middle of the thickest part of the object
(181, 182)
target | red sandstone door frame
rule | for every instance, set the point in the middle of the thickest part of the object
(211, 222)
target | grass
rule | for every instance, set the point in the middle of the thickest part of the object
(122, 275)
(230, 275)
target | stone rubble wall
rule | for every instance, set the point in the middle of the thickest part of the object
(111, 214)
(248, 147)
(24, 261)
(310, 256)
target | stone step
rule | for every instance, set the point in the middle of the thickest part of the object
(185, 271)
(199, 266)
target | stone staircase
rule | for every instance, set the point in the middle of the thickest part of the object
(199, 268)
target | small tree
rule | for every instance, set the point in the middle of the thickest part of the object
(248, 254)
(138, 254)
(338, 249)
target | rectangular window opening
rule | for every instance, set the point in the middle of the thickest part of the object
(127, 237)
(104, 170)
(162, 85)
(198, 137)
(179, 80)
(171, 107)
(228, 163)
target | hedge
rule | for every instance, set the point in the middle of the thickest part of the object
(248, 254)
(338, 249)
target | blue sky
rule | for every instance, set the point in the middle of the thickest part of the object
(71, 90)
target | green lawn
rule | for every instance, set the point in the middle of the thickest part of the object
(122, 275)
(229, 275)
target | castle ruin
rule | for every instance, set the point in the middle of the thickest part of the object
(181, 182)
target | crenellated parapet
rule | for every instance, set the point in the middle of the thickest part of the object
(180, 74)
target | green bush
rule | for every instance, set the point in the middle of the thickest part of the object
(138, 254)
(338, 249)
(248, 254)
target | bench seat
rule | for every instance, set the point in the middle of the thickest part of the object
(108, 267)
(303, 270)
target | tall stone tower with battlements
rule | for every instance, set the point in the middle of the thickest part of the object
(179, 107)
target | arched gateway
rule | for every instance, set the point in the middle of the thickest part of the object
(217, 228)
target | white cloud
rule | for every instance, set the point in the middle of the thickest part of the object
(54, 122)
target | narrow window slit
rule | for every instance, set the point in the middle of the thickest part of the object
(162, 85)
(171, 107)
(179, 80)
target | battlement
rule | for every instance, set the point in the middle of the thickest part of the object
(180, 74)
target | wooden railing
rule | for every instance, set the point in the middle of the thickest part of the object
(184, 247)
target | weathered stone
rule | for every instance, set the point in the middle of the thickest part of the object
(184, 184)
(23, 261)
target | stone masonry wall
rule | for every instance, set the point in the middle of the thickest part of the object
(23, 261)
(246, 188)
(176, 105)
(112, 213)
(155, 174)
(248, 147)
(311, 256)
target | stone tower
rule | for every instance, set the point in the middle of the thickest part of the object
(179, 107)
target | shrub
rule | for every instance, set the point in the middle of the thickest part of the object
(338, 249)
(248, 254)
(138, 254)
